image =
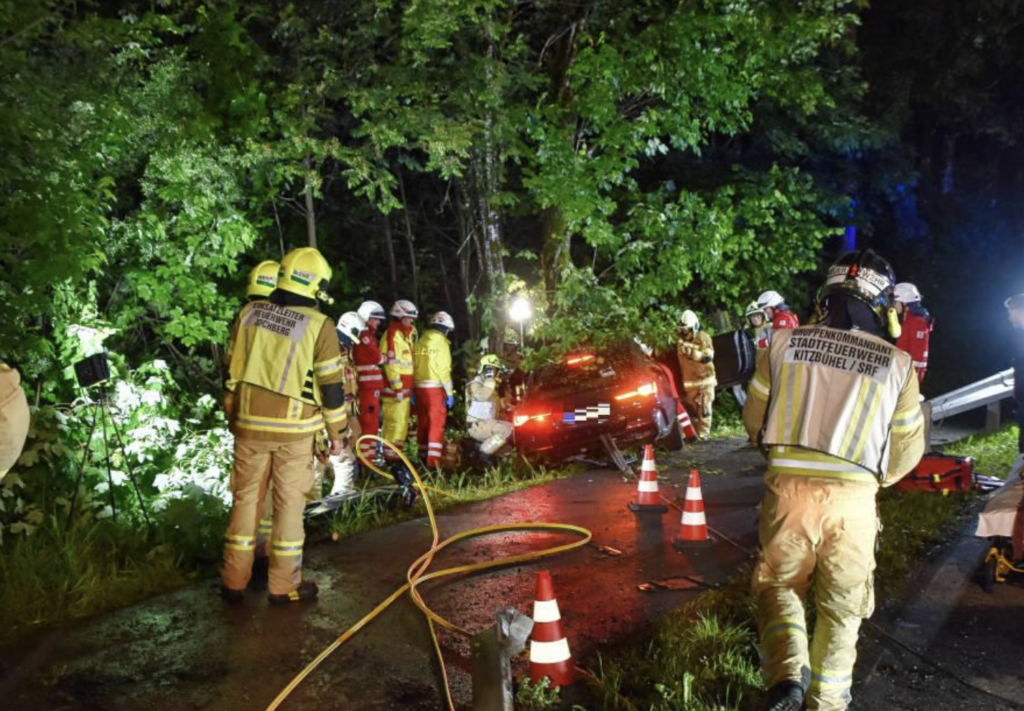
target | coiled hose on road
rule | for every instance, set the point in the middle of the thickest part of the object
(418, 574)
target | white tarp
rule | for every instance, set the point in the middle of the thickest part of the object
(1001, 510)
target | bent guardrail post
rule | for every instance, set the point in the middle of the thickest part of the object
(493, 649)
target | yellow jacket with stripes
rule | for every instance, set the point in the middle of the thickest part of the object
(837, 404)
(691, 353)
(432, 362)
(285, 374)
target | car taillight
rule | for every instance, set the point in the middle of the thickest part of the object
(519, 420)
(576, 360)
(642, 391)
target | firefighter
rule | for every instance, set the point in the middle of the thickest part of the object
(14, 418)
(758, 322)
(397, 346)
(777, 314)
(435, 394)
(286, 377)
(484, 408)
(696, 365)
(350, 327)
(835, 408)
(368, 361)
(916, 326)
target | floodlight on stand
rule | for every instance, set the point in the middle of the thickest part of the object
(520, 311)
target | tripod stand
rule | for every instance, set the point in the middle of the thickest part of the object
(100, 414)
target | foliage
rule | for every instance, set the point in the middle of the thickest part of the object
(537, 697)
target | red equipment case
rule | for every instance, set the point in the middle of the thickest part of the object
(940, 472)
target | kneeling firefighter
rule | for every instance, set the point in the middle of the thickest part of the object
(835, 427)
(483, 408)
(286, 377)
(696, 364)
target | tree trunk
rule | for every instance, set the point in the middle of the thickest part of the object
(555, 254)
(310, 210)
(410, 240)
(389, 249)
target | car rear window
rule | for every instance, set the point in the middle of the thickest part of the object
(586, 370)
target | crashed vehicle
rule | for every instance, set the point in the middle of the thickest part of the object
(596, 400)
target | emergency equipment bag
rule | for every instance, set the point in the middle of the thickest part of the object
(940, 473)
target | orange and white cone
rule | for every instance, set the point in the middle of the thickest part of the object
(647, 497)
(693, 528)
(685, 424)
(549, 649)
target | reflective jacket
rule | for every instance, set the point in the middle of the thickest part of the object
(432, 362)
(285, 373)
(368, 360)
(692, 353)
(834, 403)
(914, 336)
(397, 345)
(482, 400)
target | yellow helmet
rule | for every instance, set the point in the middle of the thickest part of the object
(489, 361)
(263, 279)
(305, 272)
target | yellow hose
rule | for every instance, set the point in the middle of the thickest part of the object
(417, 573)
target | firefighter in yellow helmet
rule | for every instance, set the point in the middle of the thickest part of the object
(835, 408)
(14, 418)
(262, 282)
(696, 365)
(286, 376)
(484, 408)
(397, 348)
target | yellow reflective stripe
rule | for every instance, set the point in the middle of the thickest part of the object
(238, 547)
(858, 407)
(239, 543)
(794, 399)
(831, 677)
(907, 420)
(760, 387)
(783, 626)
(240, 539)
(329, 366)
(334, 416)
(699, 383)
(270, 424)
(784, 405)
(875, 394)
(796, 461)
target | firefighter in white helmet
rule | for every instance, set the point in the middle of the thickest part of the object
(835, 407)
(369, 361)
(696, 364)
(344, 464)
(435, 393)
(916, 326)
(397, 347)
(484, 408)
(759, 324)
(777, 315)
(286, 375)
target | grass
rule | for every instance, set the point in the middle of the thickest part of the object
(466, 486)
(728, 417)
(53, 576)
(703, 656)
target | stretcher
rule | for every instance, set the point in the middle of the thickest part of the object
(1002, 522)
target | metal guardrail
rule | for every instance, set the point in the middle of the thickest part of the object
(982, 393)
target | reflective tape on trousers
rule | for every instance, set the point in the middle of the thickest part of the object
(546, 611)
(550, 652)
(647, 487)
(694, 518)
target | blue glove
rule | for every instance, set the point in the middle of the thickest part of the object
(412, 399)
(450, 401)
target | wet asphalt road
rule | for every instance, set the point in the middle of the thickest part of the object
(187, 650)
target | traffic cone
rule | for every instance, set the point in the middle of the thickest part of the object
(685, 424)
(549, 649)
(647, 498)
(693, 528)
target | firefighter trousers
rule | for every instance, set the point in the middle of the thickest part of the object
(395, 428)
(369, 419)
(289, 466)
(431, 413)
(698, 401)
(491, 434)
(815, 534)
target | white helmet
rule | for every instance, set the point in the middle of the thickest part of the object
(485, 345)
(350, 325)
(770, 300)
(404, 309)
(371, 309)
(689, 320)
(906, 293)
(441, 318)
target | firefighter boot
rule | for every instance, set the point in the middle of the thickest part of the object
(306, 591)
(785, 696)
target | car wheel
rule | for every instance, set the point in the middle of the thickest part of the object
(673, 441)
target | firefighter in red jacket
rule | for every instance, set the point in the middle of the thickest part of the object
(916, 325)
(777, 313)
(368, 361)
